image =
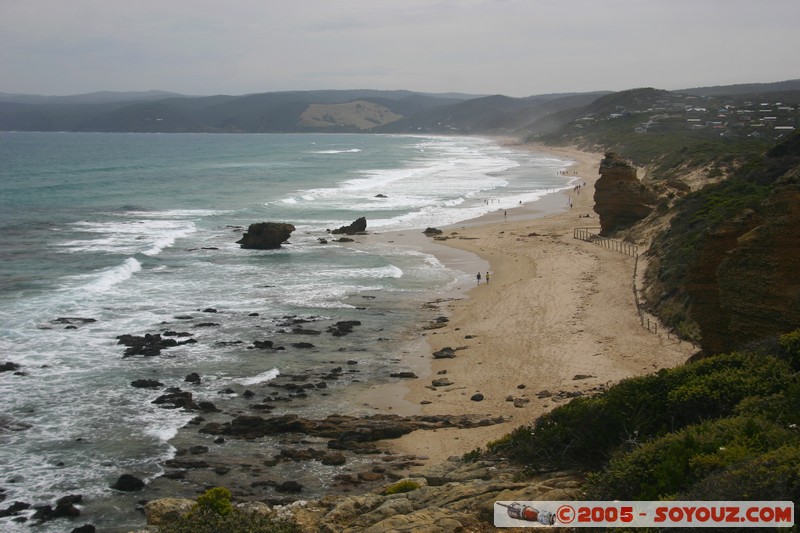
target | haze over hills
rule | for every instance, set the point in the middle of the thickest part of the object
(373, 111)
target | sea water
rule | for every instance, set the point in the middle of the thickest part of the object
(109, 234)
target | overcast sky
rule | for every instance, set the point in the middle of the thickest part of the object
(511, 47)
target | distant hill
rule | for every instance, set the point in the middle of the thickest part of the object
(88, 98)
(744, 88)
(352, 111)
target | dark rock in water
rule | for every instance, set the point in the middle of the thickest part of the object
(179, 463)
(65, 508)
(171, 333)
(358, 226)
(14, 509)
(343, 327)
(333, 459)
(380, 195)
(304, 331)
(477, 397)
(194, 377)
(176, 399)
(73, 321)
(8, 366)
(266, 235)
(128, 483)
(344, 239)
(289, 486)
(150, 345)
(303, 345)
(432, 231)
(207, 407)
(86, 528)
(263, 345)
(146, 383)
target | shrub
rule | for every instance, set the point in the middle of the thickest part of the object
(586, 432)
(236, 522)
(676, 462)
(771, 476)
(214, 513)
(405, 485)
(216, 501)
(790, 348)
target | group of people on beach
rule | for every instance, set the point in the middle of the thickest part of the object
(487, 278)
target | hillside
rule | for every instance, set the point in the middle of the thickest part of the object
(719, 181)
(581, 118)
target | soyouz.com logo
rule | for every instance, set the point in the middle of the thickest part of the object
(644, 514)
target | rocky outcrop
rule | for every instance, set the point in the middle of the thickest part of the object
(451, 496)
(358, 226)
(346, 432)
(620, 199)
(266, 235)
(744, 284)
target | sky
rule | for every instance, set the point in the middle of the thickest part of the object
(511, 47)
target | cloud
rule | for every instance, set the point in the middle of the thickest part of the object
(514, 47)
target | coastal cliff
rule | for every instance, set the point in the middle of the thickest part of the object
(620, 198)
(727, 266)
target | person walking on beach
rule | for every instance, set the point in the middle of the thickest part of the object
(487, 277)
(479, 278)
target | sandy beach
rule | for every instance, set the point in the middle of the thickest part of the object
(557, 318)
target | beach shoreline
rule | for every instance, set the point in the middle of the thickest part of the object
(557, 320)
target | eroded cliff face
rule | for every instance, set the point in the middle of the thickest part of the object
(620, 199)
(745, 283)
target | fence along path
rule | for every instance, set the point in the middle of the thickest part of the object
(590, 234)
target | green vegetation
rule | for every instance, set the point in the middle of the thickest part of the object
(405, 485)
(723, 427)
(214, 513)
(702, 212)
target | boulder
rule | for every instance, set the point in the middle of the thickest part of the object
(444, 353)
(146, 384)
(8, 366)
(166, 510)
(149, 345)
(358, 226)
(266, 235)
(128, 483)
(432, 231)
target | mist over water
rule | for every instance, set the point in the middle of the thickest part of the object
(112, 234)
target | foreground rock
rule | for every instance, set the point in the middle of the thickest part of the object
(450, 497)
(266, 235)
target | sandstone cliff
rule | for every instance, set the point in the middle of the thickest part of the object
(620, 198)
(744, 284)
(731, 257)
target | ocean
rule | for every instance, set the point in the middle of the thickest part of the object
(104, 235)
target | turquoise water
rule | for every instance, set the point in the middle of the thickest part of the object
(135, 234)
